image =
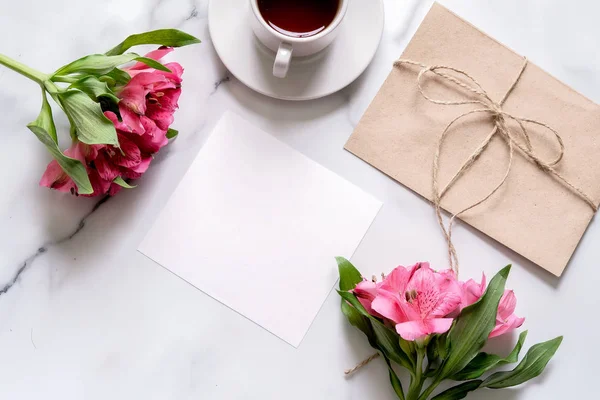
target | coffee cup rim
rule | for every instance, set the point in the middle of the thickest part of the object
(290, 39)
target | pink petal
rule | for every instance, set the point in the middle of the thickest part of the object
(175, 74)
(133, 95)
(446, 282)
(118, 124)
(114, 189)
(99, 185)
(162, 108)
(168, 100)
(143, 166)
(511, 323)
(106, 169)
(388, 305)
(77, 151)
(131, 120)
(507, 305)
(55, 178)
(438, 325)
(128, 156)
(447, 303)
(366, 291)
(137, 171)
(472, 291)
(397, 280)
(435, 297)
(134, 98)
(90, 153)
(147, 79)
(159, 53)
(412, 330)
(411, 310)
(162, 118)
(422, 279)
(153, 139)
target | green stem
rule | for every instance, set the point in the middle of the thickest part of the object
(429, 390)
(64, 79)
(23, 69)
(417, 381)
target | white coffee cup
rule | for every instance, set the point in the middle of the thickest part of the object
(287, 46)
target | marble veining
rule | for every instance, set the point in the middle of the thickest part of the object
(27, 263)
(218, 83)
(84, 316)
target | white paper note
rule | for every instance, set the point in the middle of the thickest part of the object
(256, 225)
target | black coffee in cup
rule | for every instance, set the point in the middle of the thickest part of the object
(299, 18)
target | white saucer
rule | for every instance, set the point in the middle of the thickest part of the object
(310, 77)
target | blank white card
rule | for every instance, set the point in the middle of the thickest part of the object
(256, 225)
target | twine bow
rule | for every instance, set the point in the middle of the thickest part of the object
(500, 119)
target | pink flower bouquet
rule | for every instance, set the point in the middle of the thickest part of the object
(435, 326)
(119, 117)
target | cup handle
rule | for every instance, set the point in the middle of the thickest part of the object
(282, 60)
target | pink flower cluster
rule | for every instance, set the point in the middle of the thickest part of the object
(146, 108)
(419, 301)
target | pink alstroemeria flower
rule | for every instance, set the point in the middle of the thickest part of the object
(506, 320)
(365, 292)
(146, 107)
(55, 178)
(149, 101)
(472, 291)
(418, 300)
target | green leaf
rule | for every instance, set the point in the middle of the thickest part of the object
(45, 120)
(153, 64)
(116, 77)
(119, 181)
(387, 340)
(163, 37)
(43, 127)
(473, 326)
(438, 347)
(394, 380)
(171, 133)
(531, 365)
(359, 321)
(442, 346)
(91, 126)
(349, 275)
(436, 353)
(483, 362)
(94, 88)
(100, 64)
(409, 349)
(459, 391)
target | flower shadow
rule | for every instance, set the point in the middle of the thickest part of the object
(492, 394)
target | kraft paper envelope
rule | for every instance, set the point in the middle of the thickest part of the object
(533, 213)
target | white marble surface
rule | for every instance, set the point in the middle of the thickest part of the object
(83, 316)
